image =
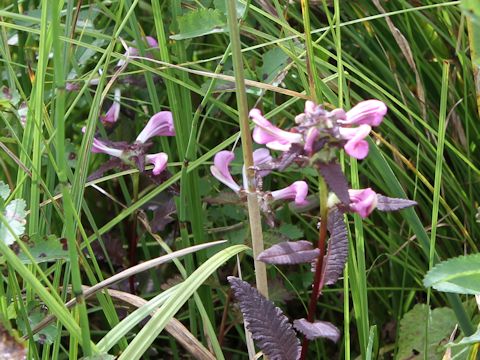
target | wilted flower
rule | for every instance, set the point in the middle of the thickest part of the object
(267, 133)
(297, 191)
(363, 201)
(160, 124)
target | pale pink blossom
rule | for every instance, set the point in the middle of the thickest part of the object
(221, 170)
(369, 112)
(267, 133)
(158, 160)
(356, 146)
(100, 146)
(260, 156)
(160, 124)
(114, 111)
(297, 191)
(363, 201)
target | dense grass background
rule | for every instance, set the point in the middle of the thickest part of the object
(396, 52)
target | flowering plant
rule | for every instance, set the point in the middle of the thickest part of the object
(313, 142)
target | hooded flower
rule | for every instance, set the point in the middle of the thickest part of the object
(267, 133)
(158, 160)
(133, 51)
(100, 146)
(297, 191)
(369, 112)
(311, 137)
(160, 124)
(221, 170)
(112, 114)
(363, 201)
(260, 157)
(356, 146)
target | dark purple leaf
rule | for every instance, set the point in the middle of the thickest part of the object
(289, 252)
(270, 329)
(317, 329)
(107, 165)
(337, 251)
(333, 175)
(385, 203)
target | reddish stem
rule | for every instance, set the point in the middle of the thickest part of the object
(317, 280)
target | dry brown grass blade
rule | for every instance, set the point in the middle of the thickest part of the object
(174, 327)
(407, 53)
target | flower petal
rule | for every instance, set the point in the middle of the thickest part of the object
(310, 138)
(356, 146)
(114, 111)
(158, 160)
(99, 146)
(369, 112)
(221, 170)
(363, 201)
(298, 191)
(160, 124)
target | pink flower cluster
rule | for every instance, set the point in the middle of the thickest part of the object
(353, 126)
(160, 124)
(316, 128)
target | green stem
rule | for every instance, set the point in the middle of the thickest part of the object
(252, 201)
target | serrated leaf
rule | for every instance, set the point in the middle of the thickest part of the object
(385, 203)
(199, 23)
(14, 215)
(458, 275)
(337, 250)
(335, 179)
(317, 329)
(4, 190)
(270, 328)
(289, 252)
(412, 332)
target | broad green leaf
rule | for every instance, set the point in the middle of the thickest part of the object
(412, 332)
(200, 22)
(14, 215)
(220, 5)
(469, 340)
(458, 275)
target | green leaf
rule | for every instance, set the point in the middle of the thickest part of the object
(240, 8)
(274, 61)
(469, 340)
(14, 215)
(458, 275)
(412, 332)
(99, 357)
(4, 190)
(35, 315)
(291, 231)
(200, 22)
(47, 250)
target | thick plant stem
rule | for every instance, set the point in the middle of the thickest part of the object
(252, 201)
(322, 237)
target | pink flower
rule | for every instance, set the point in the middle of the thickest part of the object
(267, 133)
(151, 41)
(221, 170)
(310, 138)
(298, 191)
(369, 112)
(363, 201)
(260, 156)
(160, 124)
(112, 114)
(159, 162)
(100, 146)
(356, 146)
